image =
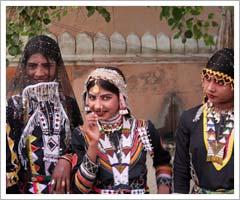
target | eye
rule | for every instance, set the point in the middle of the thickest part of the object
(48, 65)
(220, 82)
(32, 65)
(91, 97)
(106, 98)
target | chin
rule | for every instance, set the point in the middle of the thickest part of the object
(103, 118)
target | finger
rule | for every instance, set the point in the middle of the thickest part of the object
(58, 186)
(63, 186)
(92, 116)
(68, 185)
(92, 119)
(52, 185)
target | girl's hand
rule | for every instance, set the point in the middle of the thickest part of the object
(91, 128)
(163, 189)
(60, 183)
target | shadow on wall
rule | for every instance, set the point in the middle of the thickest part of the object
(170, 114)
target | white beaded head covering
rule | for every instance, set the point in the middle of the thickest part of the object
(113, 77)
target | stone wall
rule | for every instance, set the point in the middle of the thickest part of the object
(161, 72)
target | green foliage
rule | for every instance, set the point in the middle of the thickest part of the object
(29, 21)
(101, 10)
(186, 22)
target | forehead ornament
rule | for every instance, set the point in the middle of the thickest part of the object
(96, 88)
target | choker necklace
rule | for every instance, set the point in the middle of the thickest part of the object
(113, 124)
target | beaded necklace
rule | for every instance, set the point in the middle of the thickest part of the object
(219, 144)
(113, 124)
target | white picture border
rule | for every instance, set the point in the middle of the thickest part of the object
(4, 4)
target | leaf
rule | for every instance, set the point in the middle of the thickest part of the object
(199, 23)
(91, 10)
(214, 24)
(210, 15)
(197, 32)
(177, 35)
(184, 40)
(206, 24)
(65, 12)
(188, 34)
(14, 50)
(170, 21)
(165, 12)
(103, 11)
(189, 23)
(177, 13)
(196, 11)
(46, 21)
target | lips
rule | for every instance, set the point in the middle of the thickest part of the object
(100, 114)
(40, 80)
(210, 96)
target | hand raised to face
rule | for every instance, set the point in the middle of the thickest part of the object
(91, 127)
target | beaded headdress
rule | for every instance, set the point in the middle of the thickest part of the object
(221, 66)
(113, 77)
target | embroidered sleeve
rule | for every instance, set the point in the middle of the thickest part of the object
(85, 175)
(164, 175)
(84, 170)
(11, 161)
(13, 132)
(161, 159)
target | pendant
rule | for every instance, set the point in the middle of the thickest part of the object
(96, 89)
(215, 153)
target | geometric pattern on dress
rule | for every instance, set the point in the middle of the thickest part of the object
(37, 188)
(217, 150)
(120, 166)
(32, 155)
(88, 168)
(145, 139)
(51, 151)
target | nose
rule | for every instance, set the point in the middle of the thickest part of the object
(40, 71)
(97, 105)
(211, 86)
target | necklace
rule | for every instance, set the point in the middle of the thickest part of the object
(218, 134)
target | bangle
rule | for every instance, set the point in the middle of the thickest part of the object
(67, 157)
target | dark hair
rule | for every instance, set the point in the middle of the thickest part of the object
(44, 45)
(222, 61)
(106, 84)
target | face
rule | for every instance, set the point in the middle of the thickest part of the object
(218, 93)
(39, 69)
(103, 103)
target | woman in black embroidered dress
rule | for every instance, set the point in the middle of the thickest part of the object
(205, 134)
(110, 149)
(41, 113)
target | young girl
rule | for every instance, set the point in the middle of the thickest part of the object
(205, 134)
(110, 149)
(41, 113)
